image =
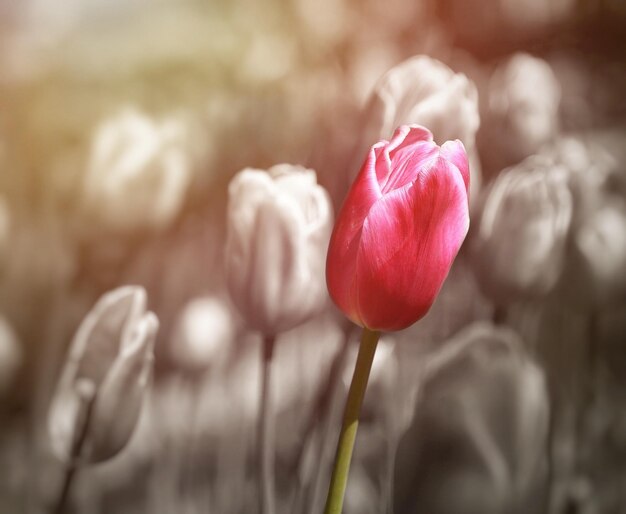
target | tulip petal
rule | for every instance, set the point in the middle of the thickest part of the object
(341, 259)
(407, 135)
(118, 404)
(98, 340)
(273, 267)
(405, 141)
(408, 242)
(454, 151)
(407, 163)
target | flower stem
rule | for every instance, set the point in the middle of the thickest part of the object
(266, 432)
(339, 479)
(326, 432)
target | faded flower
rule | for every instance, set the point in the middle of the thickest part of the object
(138, 172)
(480, 429)
(518, 249)
(279, 222)
(426, 92)
(100, 392)
(601, 243)
(521, 111)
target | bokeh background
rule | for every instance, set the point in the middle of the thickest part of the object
(121, 125)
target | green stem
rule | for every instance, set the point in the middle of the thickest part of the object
(339, 479)
(266, 432)
(330, 413)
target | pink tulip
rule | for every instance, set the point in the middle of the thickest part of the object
(399, 230)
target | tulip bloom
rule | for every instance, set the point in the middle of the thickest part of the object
(399, 230)
(484, 403)
(601, 244)
(519, 248)
(522, 111)
(138, 172)
(279, 223)
(104, 379)
(425, 91)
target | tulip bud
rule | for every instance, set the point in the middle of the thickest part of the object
(138, 172)
(10, 357)
(279, 222)
(203, 333)
(594, 172)
(479, 428)
(519, 247)
(424, 91)
(399, 230)
(522, 110)
(601, 244)
(99, 395)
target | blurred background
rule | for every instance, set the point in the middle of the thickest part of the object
(121, 125)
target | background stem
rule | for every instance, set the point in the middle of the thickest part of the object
(335, 393)
(339, 479)
(266, 432)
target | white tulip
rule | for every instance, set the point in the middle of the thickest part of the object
(426, 92)
(484, 403)
(104, 378)
(203, 333)
(138, 172)
(519, 247)
(279, 224)
(601, 241)
(523, 100)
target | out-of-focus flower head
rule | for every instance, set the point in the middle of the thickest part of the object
(592, 171)
(424, 91)
(279, 223)
(518, 248)
(479, 428)
(601, 244)
(203, 333)
(520, 111)
(138, 172)
(10, 356)
(99, 395)
(597, 261)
